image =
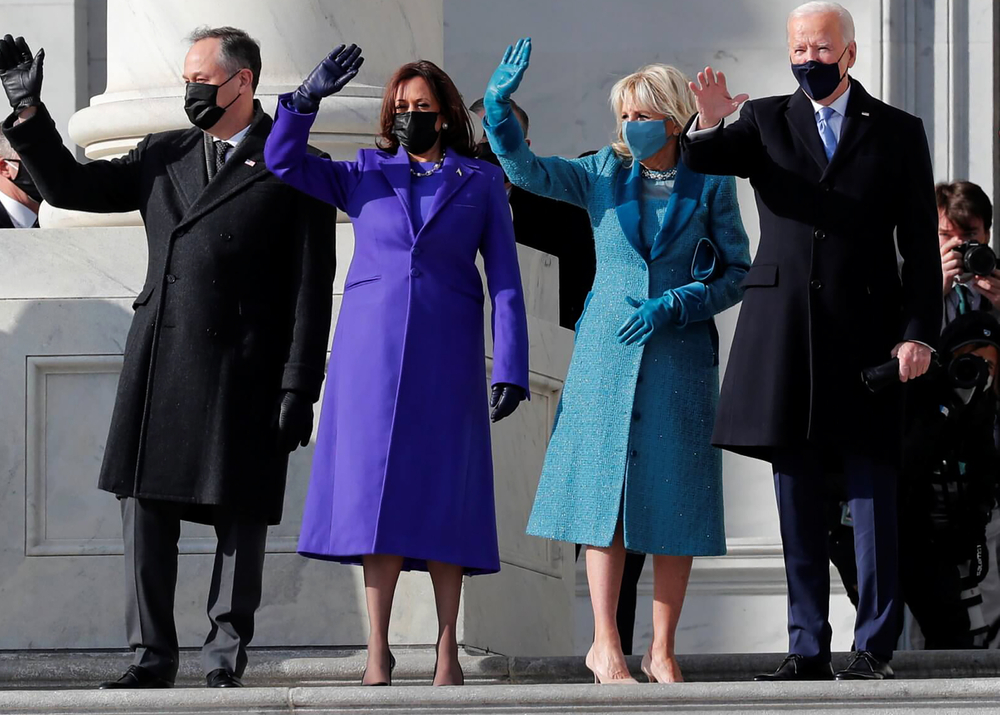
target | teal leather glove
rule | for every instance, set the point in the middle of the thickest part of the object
(650, 316)
(505, 81)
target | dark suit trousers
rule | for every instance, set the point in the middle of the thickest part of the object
(152, 529)
(799, 480)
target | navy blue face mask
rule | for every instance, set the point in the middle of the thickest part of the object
(818, 79)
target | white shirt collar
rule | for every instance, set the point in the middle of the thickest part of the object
(235, 139)
(20, 215)
(839, 106)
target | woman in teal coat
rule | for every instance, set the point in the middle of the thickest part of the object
(630, 465)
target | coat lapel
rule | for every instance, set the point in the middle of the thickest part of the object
(457, 170)
(857, 121)
(396, 169)
(802, 119)
(680, 207)
(628, 199)
(243, 166)
(187, 170)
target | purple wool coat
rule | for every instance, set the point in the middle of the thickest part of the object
(403, 463)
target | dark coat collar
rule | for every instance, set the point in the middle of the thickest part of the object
(189, 173)
(861, 112)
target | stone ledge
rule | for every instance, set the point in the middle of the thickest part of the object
(967, 696)
(343, 667)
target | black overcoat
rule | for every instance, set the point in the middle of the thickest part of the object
(235, 309)
(825, 296)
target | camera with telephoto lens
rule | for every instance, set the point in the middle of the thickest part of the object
(968, 371)
(977, 258)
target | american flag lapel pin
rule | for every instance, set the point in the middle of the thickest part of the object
(250, 162)
(865, 114)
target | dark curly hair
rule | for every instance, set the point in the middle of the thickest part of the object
(458, 136)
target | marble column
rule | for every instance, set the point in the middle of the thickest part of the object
(65, 297)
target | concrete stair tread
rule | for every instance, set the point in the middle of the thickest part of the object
(929, 695)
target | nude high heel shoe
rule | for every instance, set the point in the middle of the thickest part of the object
(606, 679)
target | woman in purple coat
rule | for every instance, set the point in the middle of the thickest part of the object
(402, 476)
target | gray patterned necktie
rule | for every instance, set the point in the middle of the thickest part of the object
(221, 148)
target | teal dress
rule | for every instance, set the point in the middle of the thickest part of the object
(632, 437)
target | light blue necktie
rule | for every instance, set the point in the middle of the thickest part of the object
(826, 132)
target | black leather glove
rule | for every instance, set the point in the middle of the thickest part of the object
(504, 399)
(295, 421)
(330, 76)
(20, 73)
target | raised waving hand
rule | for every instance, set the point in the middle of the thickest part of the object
(713, 98)
(505, 80)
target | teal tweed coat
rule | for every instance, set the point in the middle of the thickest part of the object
(632, 436)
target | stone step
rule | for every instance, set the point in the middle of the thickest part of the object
(287, 668)
(897, 696)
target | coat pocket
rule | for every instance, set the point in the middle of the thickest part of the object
(360, 282)
(144, 296)
(764, 276)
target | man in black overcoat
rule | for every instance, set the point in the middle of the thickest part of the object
(836, 174)
(227, 348)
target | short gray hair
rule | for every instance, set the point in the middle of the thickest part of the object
(821, 8)
(237, 50)
(6, 150)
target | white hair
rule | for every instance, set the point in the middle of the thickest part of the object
(822, 8)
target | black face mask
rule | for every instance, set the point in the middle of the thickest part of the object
(485, 152)
(818, 79)
(201, 105)
(416, 130)
(24, 182)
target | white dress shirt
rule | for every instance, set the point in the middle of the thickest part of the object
(20, 215)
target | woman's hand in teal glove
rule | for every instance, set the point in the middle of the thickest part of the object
(505, 81)
(650, 316)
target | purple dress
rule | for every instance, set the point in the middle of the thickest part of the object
(403, 463)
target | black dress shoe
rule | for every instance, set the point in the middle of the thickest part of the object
(866, 666)
(797, 667)
(136, 677)
(222, 678)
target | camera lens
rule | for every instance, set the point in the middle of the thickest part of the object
(967, 371)
(979, 259)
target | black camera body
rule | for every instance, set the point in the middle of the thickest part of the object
(977, 258)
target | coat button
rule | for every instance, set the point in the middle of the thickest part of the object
(171, 278)
(827, 188)
(416, 251)
(634, 453)
(816, 284)
(820, 234)
(414, 272)
(638, 378)
(642, 267)
(227, 237)
(636, 416)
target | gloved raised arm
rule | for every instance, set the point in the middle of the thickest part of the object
(330, 76)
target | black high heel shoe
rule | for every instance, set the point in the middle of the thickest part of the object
(392, 667)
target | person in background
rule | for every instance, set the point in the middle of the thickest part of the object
(629, 466)
(830, 164)
(19, 197)
(403, 472)
(965, 215)
(544, 224)
(226, 353)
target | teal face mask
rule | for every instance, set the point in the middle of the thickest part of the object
(644, 139)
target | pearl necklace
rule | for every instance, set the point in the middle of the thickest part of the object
(437, 165)
(658, 175)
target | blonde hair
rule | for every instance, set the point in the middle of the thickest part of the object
(660, 88)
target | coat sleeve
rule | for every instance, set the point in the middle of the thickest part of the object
(314, 266)
(916, 238)
(733, 150)
(503, 278)
(100, 186)
(701, 300)
(286, 155)
(567, 180)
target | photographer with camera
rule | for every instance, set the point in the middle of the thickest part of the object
(949, 486)
(971, 278)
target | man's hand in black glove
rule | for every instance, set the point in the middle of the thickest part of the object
(330, 76)
(20, 73)
(295, 421)
(504, 399)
